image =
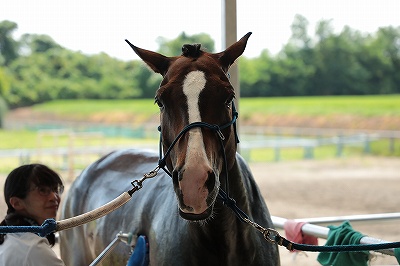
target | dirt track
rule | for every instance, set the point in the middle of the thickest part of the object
(335, 187)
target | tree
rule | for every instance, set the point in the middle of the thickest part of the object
(255, 75)
(300, 36)
(37, 43)
(3, 110)
(8, 46)
(381, 56)
(338, 70)
(4, 81)
(38, 69)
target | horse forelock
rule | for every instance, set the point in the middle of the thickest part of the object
(191, 50)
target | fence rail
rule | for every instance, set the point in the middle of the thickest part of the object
(252, 138)
(82, 148)
(303, 131)
(308, 139)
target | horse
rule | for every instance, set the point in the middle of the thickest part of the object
(179, 210)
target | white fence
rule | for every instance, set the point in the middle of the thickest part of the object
(82, 149)
(308, 139)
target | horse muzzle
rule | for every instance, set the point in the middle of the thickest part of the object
(196, 191)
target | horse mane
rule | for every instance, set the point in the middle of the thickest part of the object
(191, 50)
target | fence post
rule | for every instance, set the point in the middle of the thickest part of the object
(277, 153)
(71, 156)
(391, 145)
(339, 146)
(367, 145)
(308, 152)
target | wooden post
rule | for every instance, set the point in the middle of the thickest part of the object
(229, 37)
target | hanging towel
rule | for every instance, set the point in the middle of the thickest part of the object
(397, 254)
(343, 235)
(293, 233)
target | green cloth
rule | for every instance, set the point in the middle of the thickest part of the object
(343, 235)
(397, 254)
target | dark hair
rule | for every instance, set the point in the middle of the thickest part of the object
(18, 184)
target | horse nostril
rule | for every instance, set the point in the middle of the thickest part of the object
(210, 183)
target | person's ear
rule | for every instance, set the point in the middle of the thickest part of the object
(16, 203)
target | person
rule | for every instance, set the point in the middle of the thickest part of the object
(32, 193)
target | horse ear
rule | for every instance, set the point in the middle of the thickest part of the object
(228, 57)
(157, 62)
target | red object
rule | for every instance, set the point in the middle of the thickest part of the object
(294, 234)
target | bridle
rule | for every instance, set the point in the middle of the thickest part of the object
(223, 195)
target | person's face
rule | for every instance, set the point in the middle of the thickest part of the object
(41, 203)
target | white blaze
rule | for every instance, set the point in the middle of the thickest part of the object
(193, 84)
(196, 169)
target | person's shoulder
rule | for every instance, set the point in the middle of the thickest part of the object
(40, 252)
(28, 238)
(23, 239)
(32, 250)
(18, 243)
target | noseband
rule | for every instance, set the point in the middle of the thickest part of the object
(222, 195)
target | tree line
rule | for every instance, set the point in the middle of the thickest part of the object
(35, 69)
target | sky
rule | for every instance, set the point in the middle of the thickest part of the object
(94, 26)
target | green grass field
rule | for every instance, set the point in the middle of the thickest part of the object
(82, 109)
(376, 105)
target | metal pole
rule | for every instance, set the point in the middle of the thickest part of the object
(322, 232)
(363, 218)
(105, 252)
(119, 237)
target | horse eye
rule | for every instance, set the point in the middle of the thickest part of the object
(156, 101)
(228, 102)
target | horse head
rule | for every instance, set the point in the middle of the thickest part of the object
(196, 103)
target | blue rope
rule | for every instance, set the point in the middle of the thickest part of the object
(48, 227)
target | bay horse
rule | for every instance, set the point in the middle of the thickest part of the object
(182, 218)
